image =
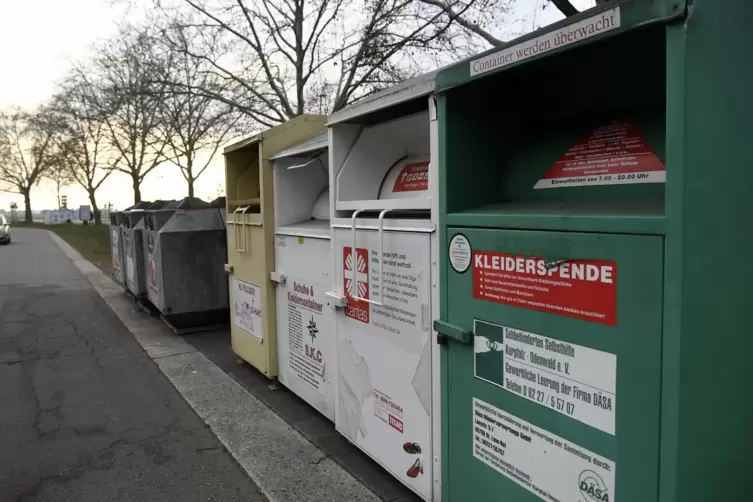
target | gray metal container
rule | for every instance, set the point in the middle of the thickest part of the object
(185, 251)
(116, 247)
(132, 242)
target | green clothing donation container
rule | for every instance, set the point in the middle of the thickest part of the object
(596, 269)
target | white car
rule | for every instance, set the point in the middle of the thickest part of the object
(4, 230)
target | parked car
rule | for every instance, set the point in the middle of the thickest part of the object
(4, 230)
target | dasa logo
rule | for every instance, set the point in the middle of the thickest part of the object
(592, 487)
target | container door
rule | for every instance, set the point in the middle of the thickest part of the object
(557, 395)
(306, 345)
(384, 352)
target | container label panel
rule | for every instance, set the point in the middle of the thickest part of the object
(590, 27)
(247, 312)
(547, 465)
(307, 356)
(152, 273)
(577, 381)
(584, 289)
(115, 249)
(613, 154)
(412, 178)
(383, 400)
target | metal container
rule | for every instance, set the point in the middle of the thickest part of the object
(184, 251)
(116, 247)
(133, 258)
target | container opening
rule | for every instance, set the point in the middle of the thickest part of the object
(243, 179)
(385, 164)
(586, 125)
(301, 185)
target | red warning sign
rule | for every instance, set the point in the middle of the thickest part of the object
(412, 178)
(612, 154)
(356, 283)
(584, 289)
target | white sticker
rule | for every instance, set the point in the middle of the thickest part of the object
(460, 253)
(246, 299)
(590, 27)
(577, 381)
(306, 355)
(547, 465)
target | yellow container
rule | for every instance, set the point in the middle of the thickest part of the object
(250, 235)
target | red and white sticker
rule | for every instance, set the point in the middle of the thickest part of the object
(584, 289)
(412, 178)
(356, 285)
(613, 154)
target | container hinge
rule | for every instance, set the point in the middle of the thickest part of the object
(277, 277)
(336, 300)
(446, 330)
(229, 268)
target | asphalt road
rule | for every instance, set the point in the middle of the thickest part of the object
(85, 415)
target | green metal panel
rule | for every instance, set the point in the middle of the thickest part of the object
(635, 340)
(707, 405)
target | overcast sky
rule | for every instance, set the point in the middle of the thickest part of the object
(38, 38)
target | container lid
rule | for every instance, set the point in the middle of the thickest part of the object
(187, 203)
(321, 206)
(408, 90)
(408, 178)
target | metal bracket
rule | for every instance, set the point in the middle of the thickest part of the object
(229, 268)
(448, 330)
(336, 300)
(277, 277)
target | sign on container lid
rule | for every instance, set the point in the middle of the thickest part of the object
(407, 178)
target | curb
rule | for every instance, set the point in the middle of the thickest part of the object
(283, 463)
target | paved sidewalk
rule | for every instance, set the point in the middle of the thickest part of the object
(85, 414)
(283, 463)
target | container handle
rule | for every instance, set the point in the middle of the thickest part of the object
(355, 296)
(242, 210)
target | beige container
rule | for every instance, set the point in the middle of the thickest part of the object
(250, 234)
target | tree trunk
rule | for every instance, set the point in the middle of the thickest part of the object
(95, 208)
(27, 201)
(136, 189)
(190, 187)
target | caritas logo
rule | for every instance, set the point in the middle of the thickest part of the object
(358, 286)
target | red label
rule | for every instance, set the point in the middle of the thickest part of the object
(412, 178)
(584, 289)
(613, 154)
(356, 285)
(396, 423)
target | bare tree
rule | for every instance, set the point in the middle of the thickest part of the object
(197, 124)
(84, 155)
(26, 152)
(127, 102)
(284, 58)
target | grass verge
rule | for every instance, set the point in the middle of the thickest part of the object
(92, 241)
